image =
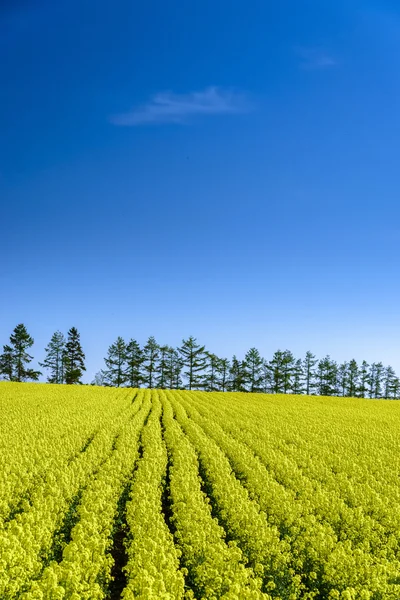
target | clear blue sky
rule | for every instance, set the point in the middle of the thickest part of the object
(224, 169)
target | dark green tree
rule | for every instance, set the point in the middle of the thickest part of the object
(161, 379)
(7, 363)
(343, 378)
(115, 372)
(133, 364)
(223, 374)
(353, 379)
(389, 382)
(15, 357)
(327, 377)
(363, 380)
(74, 358)
(194, 359)
(211, 374)
(173, 369)
(253, 371)
(151, 353)
(237, 376)
(309, 364)
(278, 373)
(55, 358)
(396, 388)
(267, 374)
(288, 368)
(298, 385)
(376, 375)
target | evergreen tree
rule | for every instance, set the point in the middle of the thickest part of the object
(55, 358)
(298, 377)
(211, 375)
(396, 388)
(327, 377)
(389, 382)
(151, 353)
(194, 359)
(115, 373)
(253, 371)
(173, 370)
(276, 367)
(288, 366)
(133, 364)
(74, 358)
(375, 380)
(15, 357)
(363, 381)
(343, 378)
(237, 376)
(223, 374)
(266, 374)
(353, 379)
(309, 364)
(161, 380)
(7, 363)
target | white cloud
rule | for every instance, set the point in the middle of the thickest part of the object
(167, 107)
(315, 58)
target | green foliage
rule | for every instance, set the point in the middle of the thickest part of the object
(253, 371)
(55, 358)
(193, 358)
(115, 372)
(74, 358)
(133, 363)
(151, 353)
(15, 357)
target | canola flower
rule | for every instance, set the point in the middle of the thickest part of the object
(142, 494)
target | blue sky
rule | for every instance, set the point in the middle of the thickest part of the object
(222, 169)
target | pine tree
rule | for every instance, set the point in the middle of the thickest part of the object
(237, 376)
(211, 375)
(253, 371)
(151, 353)
(309, 364)
(15, 357)
(74, 358)
(389, 382)
(343, 378)
(7, 363)
(223, 374)
(287, 370)
(161, 380)
(194, 359)
(353, 379)
(375, 380)
(327, 377)
(267, 381)
(396, 388)
(276, 368)
(115, 372)
(298, 377)
(363, 381)
(55, 358)
(173, 370)
(133, 364)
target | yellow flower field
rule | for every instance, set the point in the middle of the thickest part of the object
(112, 493)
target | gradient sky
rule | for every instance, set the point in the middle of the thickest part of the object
(223, 169)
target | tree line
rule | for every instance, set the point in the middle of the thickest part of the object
(191, 366)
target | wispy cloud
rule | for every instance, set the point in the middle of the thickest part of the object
(315, 58)
(167, 107)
